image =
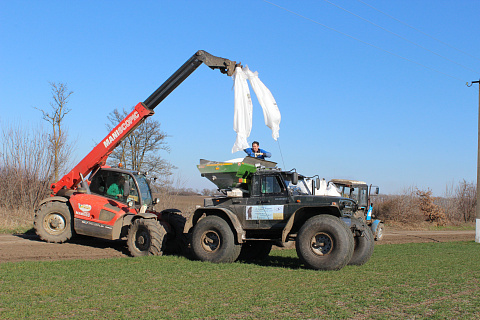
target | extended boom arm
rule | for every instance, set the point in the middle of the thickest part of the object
(98, 156)
(225, 66)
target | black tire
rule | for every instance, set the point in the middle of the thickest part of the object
(146, 237)
(177, 241)
(213, 240)
(363, 248)
(324, 242)
(53, 222)
(380, 231)
(255, 250)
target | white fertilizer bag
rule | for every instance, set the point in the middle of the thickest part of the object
(242, 120)
(265, 98)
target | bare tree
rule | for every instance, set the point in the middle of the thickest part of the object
(206, 192)
(141, 148)
(60, 150)
(25, 173)
(466, 200)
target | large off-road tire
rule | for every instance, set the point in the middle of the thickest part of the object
(255, 250)
(53, 222)
(363, 248)
(146, 237)
(213, 240)
(177, 241)
(324, 242)
(380, 231)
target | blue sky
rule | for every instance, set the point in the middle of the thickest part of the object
(359, 102)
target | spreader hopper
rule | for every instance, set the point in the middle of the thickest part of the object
(233, 173)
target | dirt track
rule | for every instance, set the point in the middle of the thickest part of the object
(15, 248)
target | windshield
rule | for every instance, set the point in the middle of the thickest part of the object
(299, 189)
(359, 194)
(144, 189)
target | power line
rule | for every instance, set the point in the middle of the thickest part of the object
(403, 38)
(364, 42)
(418, 30)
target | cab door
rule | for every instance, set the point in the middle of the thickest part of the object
(268, 209)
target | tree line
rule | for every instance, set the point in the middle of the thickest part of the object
(415, 206)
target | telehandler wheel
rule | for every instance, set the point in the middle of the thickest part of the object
(146, 238)
(53, 222)
(255, 250)
(379, 232)
(177, 241)
(324, 242)
(213, 240)
(363, 248)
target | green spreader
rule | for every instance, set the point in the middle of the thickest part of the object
(232, 174)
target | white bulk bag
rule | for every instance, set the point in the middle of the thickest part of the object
(265, 98)
(242, 120)
(329, 189)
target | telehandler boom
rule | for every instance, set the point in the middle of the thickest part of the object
(98, 156)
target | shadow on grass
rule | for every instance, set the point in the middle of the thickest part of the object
(277, 262)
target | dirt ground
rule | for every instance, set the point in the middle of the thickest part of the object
(14, 248)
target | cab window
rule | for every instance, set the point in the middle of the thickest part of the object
(271, 185)
(110, 184)
(145, 192)
(133, 193)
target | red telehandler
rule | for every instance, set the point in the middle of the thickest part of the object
(115, 203)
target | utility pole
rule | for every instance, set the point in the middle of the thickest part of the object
(477, 209)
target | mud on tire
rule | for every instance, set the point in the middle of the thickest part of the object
(324, 242)
(177, 241)
(53, 222)
(213, 240)
(146, 237)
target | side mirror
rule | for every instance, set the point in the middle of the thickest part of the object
(317, 183)
(156, 200)
(294, 178)
(377, 190)
(126, 188)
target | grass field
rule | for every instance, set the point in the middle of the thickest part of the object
(405, 281)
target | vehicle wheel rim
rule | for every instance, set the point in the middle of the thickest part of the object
(210, 241)
(142, 240)
(321, 244)
(54, 223)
